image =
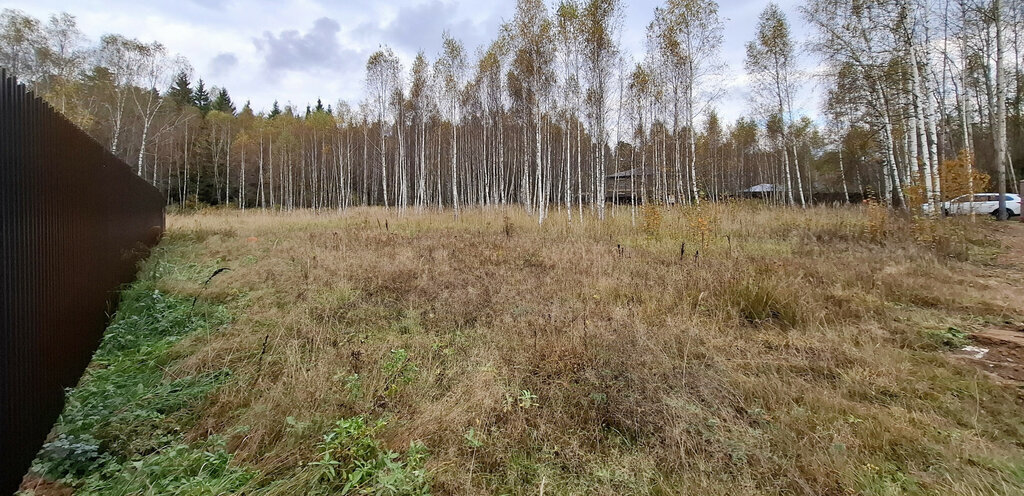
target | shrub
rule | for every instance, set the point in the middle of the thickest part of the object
(960, 178)
(762, 302)
(879, 225)
(702, 224)
(650, 217)
(69, 455)
(352, 461)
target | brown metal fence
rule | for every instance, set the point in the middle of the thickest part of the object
(74, 222)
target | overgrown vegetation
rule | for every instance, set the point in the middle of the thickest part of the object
(800, 353)
(122, 427)
(352, 461)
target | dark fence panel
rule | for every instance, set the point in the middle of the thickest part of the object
(74, 222)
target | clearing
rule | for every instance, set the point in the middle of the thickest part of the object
(780, 351)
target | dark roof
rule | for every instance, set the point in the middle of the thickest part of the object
(631, 172)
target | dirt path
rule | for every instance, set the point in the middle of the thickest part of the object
(1000, 350)
(1013, 242)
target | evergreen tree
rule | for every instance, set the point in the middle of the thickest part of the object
(181, 90)
(319, 106)
(223, 102)
(201, 98)
(275, 110)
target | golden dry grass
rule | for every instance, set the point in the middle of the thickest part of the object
(791, 355)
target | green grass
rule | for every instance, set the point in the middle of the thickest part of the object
(350, 460)
(122, 429)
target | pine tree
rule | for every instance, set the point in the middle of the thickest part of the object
(181, 90)
(275, 110)
(223, 102)
(319, 106)
(201, 98)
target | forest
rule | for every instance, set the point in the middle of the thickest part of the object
(554, 115)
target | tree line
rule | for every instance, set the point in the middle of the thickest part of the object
(556, 116)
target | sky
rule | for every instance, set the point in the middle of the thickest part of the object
(297, 51)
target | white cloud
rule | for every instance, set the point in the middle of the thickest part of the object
(223, 63)
(301, 50)
(316, 50)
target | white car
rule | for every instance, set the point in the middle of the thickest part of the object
(979, 203)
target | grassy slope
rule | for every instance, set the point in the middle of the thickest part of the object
(798, 353)
(121, 429)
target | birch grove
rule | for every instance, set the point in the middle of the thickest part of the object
(556, 115)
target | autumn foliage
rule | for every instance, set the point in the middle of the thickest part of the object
(956, 177)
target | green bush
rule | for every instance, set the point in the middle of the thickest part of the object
(352, 461)
(400, 370)
(950, 339)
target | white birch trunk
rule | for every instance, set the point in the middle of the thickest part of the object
(799, 180)
(455, 154)
(999, 135)
(842, 175)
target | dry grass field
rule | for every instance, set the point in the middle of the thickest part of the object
(781, 351)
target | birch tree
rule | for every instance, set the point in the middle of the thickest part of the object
(61, 59)
(420, 97)
(569, 33)
(532, 33)
(602, 20)
(120, 56)
(906, 87)
(450, 69)
(686, 36)
(383, 73)
(154, 69)
(20, 41)
(999, 131)
(771, 65)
